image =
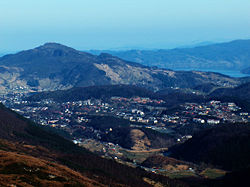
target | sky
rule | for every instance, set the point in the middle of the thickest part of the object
(121, 24)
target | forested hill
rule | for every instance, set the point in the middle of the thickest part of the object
(239, 95)
(242, 92)
(226, 146)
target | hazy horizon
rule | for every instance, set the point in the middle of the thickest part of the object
(121, 24)
(190, 45)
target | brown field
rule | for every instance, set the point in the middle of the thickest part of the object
(22, 170)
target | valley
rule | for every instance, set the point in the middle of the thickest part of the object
(144, 119)
(124, 93)
(131, 129)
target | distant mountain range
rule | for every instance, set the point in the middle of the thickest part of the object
(233, 55)
(54, 66)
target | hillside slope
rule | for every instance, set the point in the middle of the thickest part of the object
(24, 170)
(51, 156)
(239, 95)
(226, 146)
(242, 92)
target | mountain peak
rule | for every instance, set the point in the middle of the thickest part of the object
(53, 45)
(56, 49)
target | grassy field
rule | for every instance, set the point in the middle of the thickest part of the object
(212, 173)
(138, 156)
(180, 174)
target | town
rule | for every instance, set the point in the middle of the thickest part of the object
(140, 112)
(76, 117)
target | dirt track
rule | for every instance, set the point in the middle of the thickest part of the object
(147, 151)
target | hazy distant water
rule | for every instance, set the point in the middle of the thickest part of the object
(231, 73)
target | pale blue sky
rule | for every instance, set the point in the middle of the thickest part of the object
(111, 24)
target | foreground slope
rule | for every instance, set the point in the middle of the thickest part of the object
(24, 170)
(54, 66)
(52, 160)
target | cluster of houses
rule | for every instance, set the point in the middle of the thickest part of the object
(145, 111)
(215, 112)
